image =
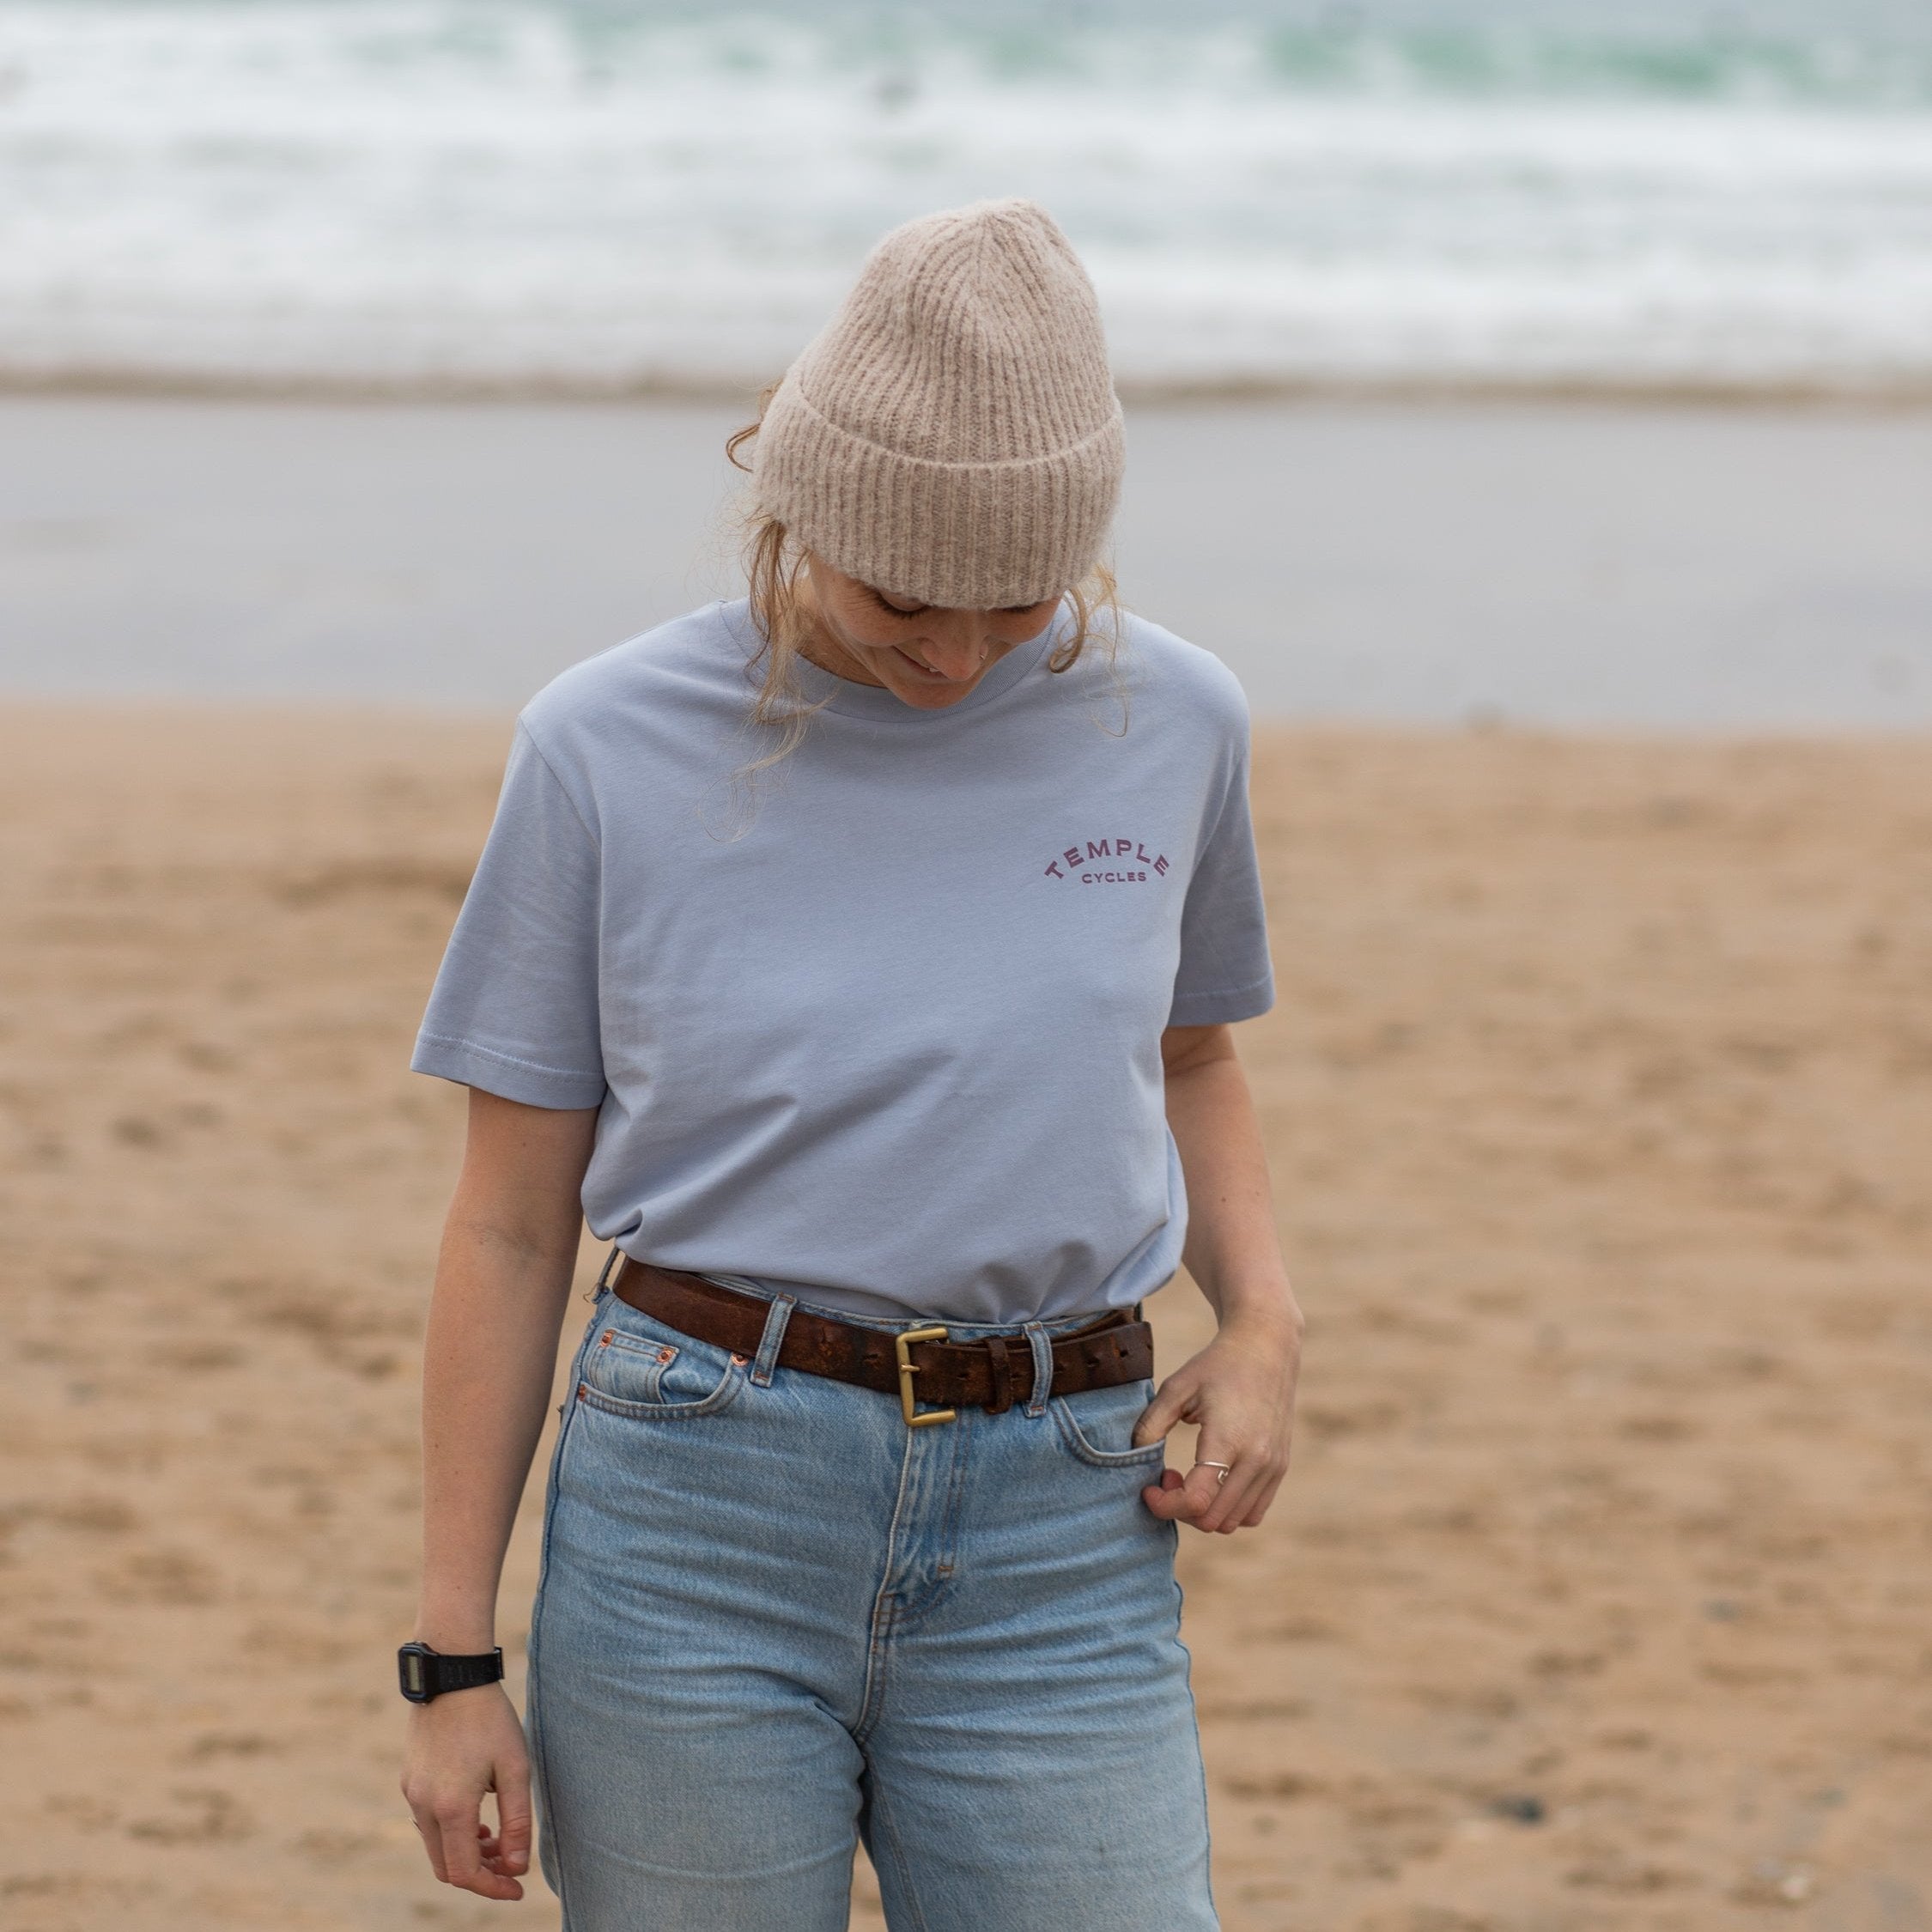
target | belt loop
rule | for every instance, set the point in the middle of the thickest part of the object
(1043, 1367)
(603, 1284)
(1000, 1355)
(772, 1340)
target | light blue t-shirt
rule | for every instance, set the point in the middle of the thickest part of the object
(881, 1026)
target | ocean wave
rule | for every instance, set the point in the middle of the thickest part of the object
(449, 194)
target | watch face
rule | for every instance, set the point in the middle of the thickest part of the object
(415, 1675)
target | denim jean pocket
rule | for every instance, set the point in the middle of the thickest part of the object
(1098, 1426)
(636, 1365)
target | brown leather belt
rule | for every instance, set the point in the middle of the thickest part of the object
(919, 1366)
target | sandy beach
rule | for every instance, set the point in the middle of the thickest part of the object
(1598, 1093)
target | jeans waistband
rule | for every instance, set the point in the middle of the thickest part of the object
(961, 1331)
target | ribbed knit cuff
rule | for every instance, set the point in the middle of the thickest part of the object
(972, 535)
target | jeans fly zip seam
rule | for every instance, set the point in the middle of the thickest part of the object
(884, 1601)
(918, 1592)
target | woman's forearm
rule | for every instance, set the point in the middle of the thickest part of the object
(1232, 1250)
(487, 1367)
(1240, 1389)
(502, 1280)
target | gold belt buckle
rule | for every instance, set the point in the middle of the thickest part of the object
(915, 1417)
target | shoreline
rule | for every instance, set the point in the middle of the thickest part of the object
(1879, 396)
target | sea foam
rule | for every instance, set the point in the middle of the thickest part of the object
(424, 194)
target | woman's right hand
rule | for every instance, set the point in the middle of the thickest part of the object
(460, 1745)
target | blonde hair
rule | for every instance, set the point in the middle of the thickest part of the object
(774, 567)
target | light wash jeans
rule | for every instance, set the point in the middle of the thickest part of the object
(772, 1617)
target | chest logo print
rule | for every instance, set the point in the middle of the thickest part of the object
(1107, 862)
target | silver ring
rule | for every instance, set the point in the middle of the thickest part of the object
(1204, 1462)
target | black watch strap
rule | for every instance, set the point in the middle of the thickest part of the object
(424, 1674)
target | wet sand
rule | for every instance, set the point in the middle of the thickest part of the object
(1598, 1093)
(1404, 561)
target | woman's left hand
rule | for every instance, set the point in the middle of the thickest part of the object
(1240, 1390)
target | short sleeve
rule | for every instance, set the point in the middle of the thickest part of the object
(514, 1009)
(1224, 973)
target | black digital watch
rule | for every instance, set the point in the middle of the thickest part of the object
(425, 1673)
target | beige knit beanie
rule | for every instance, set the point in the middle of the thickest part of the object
(952, 434)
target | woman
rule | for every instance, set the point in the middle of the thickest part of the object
(861, 960)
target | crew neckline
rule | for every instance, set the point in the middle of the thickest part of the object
(826, 690)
